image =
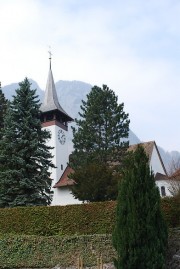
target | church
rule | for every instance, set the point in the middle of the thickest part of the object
(55, 120)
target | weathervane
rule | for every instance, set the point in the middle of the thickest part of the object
(50, 54)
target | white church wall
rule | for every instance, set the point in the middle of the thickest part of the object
(63, 196)
(60, 159)
(62, 156)
(51, 142)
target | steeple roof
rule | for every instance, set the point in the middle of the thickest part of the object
(50, 102)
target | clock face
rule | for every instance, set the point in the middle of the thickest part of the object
(61, 137)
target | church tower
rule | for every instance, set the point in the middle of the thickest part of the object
(55, 120)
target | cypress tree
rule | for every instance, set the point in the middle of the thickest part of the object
(25, 158)
(140, 236)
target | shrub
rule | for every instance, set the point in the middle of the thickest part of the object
(92, 218)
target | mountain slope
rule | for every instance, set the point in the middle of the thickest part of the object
(9, 90)
(70, 94)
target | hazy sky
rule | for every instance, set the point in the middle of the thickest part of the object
(132, 46)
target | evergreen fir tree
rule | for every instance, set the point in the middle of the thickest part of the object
(102, 128)
(3, 107)
(140, 236)
(25, 158)
(101, 139)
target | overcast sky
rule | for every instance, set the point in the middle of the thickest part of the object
(132, 46)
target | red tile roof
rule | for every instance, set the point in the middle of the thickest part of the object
(64, 180)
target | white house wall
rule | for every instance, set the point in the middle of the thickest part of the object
(165, 184)
(157, 167)
(155, 162)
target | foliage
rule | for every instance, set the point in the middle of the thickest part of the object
(174, 177)
(174, 182)
(102, 183)
(25, 159)
(174, 187)
(171, 210)
(174, 165)
(3, 107)
(47, 252)
(90, 218)
(140, 236)
(100, 137)
(101, 127)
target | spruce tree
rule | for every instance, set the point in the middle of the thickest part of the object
(140, 236)
(3, 107)
(100, 137)
(25, 158)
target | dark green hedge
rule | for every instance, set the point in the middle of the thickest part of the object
(29, 251)
(92, 218)
(26, 251)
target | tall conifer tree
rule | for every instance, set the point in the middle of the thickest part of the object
(100, 139)
(102, 128)
(140, 236)
(25, 158)
(3, 107)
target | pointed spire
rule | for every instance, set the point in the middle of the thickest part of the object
(50, 54)
(50, 101)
